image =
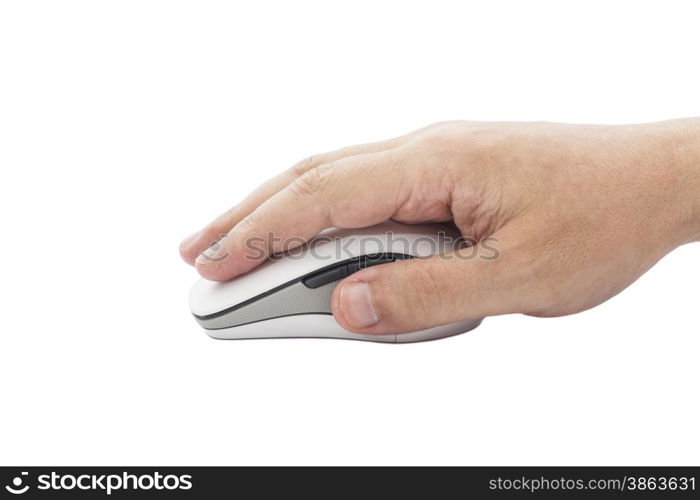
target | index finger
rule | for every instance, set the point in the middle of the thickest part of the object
(197, 243)
(354, 192)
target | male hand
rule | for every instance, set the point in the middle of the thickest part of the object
(579, 213)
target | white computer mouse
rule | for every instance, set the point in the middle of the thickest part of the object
(290, 295)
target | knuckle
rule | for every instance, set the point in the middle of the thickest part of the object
(442, 140)
(303, 166)
(311, 182)
(250, 222)
(435, 127)
(444, 124)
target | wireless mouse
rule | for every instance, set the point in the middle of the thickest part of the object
(290, 294)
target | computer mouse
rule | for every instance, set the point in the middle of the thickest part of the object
(289, 295)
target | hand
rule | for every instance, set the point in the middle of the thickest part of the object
(579, 212)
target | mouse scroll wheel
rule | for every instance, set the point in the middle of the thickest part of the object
(340, 271)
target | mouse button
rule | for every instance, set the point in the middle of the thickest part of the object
(373, 260)
(326, 276)
(368, 261)
(353, 266)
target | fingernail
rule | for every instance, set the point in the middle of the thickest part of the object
(215, 253)
(356, 305)
(190, 239)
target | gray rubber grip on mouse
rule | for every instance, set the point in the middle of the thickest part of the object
(293, 299)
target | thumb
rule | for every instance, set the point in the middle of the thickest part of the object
(422, 293)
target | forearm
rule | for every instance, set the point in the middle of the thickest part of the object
(694, 166)
(679, 145)
(688, 132)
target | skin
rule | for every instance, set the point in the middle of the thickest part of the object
(579, 212)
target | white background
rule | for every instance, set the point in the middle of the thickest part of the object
(124, 126)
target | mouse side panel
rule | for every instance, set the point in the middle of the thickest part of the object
(329, 248)
(308, 294)
(300, 307)
(294, 299)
